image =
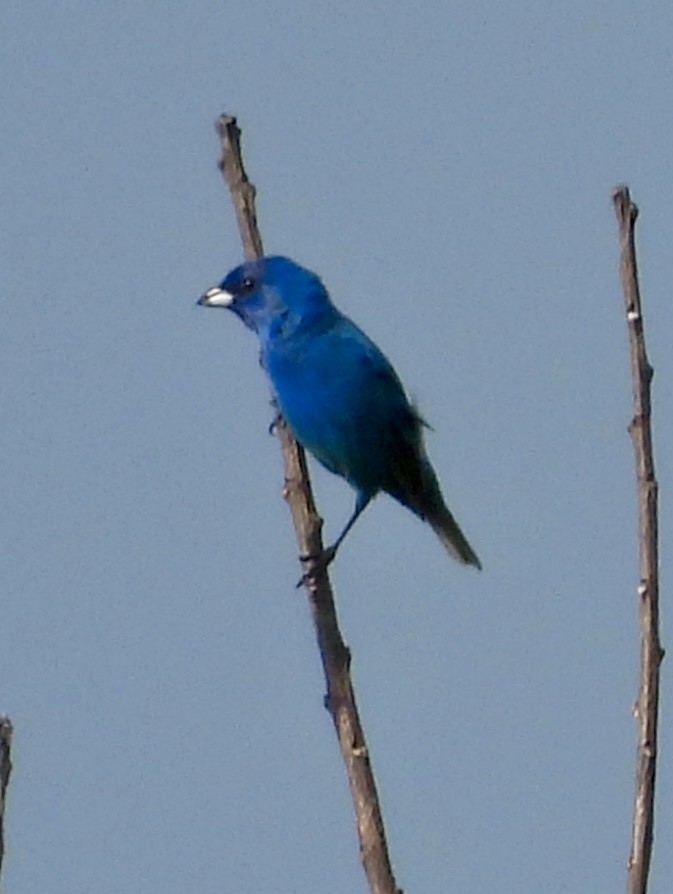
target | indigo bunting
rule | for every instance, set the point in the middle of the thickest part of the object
(339, 394)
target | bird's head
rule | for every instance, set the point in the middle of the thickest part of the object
(272, 295)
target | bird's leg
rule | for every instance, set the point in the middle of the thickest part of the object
(319, 563)
(361, 503)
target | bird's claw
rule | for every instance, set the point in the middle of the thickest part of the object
(317, 564)
(275, 423)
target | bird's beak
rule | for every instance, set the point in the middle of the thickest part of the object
(216, 297)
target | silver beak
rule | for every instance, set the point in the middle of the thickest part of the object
(216, 297)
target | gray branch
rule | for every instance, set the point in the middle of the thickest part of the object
(335, 656)
(5, 771)
(651, 653)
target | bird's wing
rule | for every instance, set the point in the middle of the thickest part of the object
(338, 392)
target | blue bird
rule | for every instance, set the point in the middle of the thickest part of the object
(338, 393)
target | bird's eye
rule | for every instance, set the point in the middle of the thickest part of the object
(248, 285)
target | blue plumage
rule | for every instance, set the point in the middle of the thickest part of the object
(338, 393)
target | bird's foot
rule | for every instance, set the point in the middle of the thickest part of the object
(275, 423)
(316, 564)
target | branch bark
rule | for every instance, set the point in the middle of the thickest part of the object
(5, 771)
(651, 654)
(334, 654)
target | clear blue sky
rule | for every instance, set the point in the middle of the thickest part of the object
(447, 168)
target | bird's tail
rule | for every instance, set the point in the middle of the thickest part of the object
(447, 529)
(426, 500)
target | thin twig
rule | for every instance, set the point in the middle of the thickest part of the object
(5, 771)
(651, 653)
(335, 656)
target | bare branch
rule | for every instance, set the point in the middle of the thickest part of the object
(5, 771)
(651, 654)
(335, 656)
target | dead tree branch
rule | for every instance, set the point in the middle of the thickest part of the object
(335, 656)
(647, 705)
(5, 771)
